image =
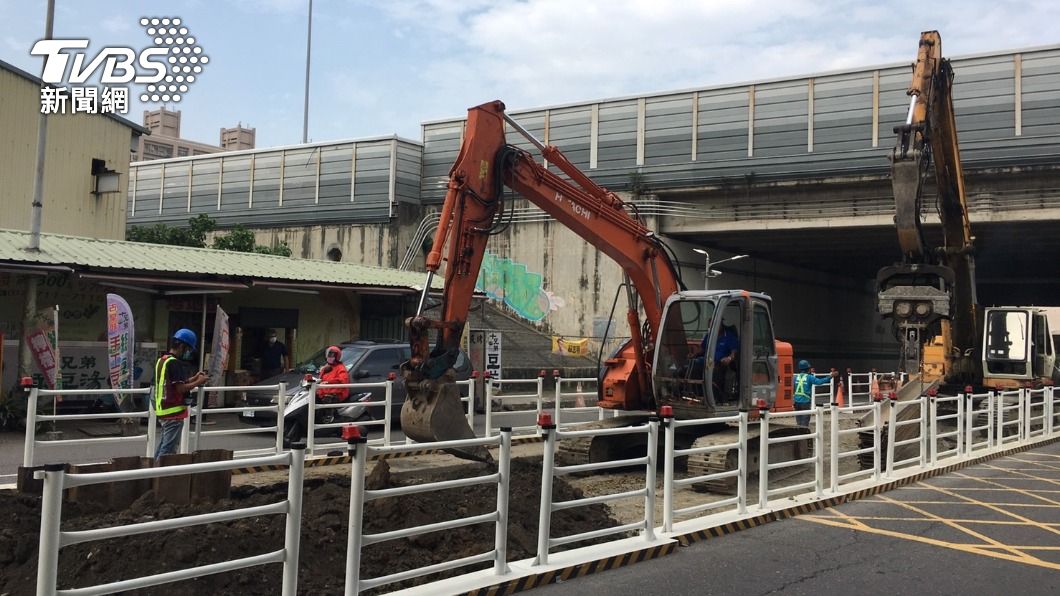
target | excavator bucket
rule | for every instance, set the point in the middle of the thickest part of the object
(433, 412)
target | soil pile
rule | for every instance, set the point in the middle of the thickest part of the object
(324, 532)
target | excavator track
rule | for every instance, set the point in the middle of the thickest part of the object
(723, 461)
(582, 450)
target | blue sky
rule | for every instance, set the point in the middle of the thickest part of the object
(384, 67)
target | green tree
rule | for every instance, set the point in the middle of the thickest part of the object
(239, 239)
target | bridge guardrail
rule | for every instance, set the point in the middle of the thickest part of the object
(53, 538)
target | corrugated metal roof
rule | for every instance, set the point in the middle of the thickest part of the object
(180, 261)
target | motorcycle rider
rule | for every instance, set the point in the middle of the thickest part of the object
(333, 373)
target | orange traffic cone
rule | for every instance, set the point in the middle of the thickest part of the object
(579, 401)
(874, 387)
(840, 396)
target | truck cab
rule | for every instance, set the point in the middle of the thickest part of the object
(1018, 348)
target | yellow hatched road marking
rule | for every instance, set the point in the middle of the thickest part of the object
(953, 525)
(864, 518)
(1014, 490)
(1023, 476)
(1048, 466)
(998, 509)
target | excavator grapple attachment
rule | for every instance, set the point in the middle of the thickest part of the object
(433, 412)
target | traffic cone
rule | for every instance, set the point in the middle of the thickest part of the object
(840, 395)
(579, 401)
(874, 388)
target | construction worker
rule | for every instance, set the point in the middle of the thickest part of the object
(171, 392)
(335, 373)
(804, 382)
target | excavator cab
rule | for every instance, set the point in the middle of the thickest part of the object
(1018, 348)
(716, 353)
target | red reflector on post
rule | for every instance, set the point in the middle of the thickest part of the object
(666, 411)
(308, 378)
(933, 392)
(351, 431)
(968, 389)
(762, 405)
(544, 419)
(487, 374)
(541, 373)
(555, 372)
(25, 382)
(392, 376)
(474, 374)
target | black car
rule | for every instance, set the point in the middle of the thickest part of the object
(367, 362)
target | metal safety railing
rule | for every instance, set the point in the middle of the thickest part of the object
(766, 440)
(535, 396)
(1009, 416)
(549, 470)
(579, 394)
(200, 412)
(315, 407)
(467, 396)
(1053, 397)
(837, 433)
(858, 387)
(34, 417)
(978, 422)
(823, 395)
(53, 538)
(1037, 403)
(896, 421)
(955, 403)
(672, 453)
(359, 494)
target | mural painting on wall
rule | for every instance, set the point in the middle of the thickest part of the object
(521, 290)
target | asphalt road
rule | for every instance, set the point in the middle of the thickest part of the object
(988, 529)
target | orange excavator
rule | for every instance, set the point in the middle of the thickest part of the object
(667, 360)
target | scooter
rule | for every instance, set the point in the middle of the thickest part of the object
(296, 412)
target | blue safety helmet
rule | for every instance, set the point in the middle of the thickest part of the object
(804, 365)
(187, 337)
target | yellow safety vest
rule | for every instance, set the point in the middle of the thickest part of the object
(161, 367)
(800, 385)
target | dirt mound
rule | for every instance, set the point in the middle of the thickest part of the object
(324, 533)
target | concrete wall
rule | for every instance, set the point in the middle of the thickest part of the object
(74, 140)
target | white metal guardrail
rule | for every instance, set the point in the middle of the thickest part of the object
(53, 538)
(33, 417)
(549, 470)
(858, 387)
(1037, 403)
(534, 395)
(312, 426)
(823, 395)
(948, 402)
(670, 484)
(836, 435)
(1054, 409)
(201, 412)
(894, 422)
(467, 396)
(359, 495)
(765, 418)
(978, 422)
(583, 387)
(1009, 416)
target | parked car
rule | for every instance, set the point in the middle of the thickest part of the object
(368, 361)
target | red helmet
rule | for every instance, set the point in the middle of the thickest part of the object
(337, 350)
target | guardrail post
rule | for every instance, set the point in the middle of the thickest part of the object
(558, 406)
(923, 407)
(833, 459)
(969, 422)
(649, 496)
(359, 452)
(763, 458)
(818, 450)
(668, 468)
(293, 530)
(741, 455)
(489, 405)
(152, 428)
(961, 445)
(54, 476)
(1048, 397)
(544, 521)
(989, 419)
(541, 395)
(892, 419)
(280, 406)
(877, 424)
(200, 393)
(31, 429)
(311, 421)
(933, 431)
(185, 436)
(504, 468)
(999, 438)
(388, 398)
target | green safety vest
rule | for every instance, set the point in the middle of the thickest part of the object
(161, 368)
(800, 385)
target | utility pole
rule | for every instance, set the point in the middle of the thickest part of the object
(29, 310)
(308, 51)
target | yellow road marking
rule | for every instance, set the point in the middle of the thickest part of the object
(1049, 466)
(998, 509)
(864, 518)
(1015, 490)
(972, 549)
(971, 502)
(1024, 477)
(1028, 547)
(951, 524)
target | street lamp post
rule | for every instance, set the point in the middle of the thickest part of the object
(707, 272)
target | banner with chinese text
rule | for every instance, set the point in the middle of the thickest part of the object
(120, 337)
(219, 349)
(41, 337)
(570, 347)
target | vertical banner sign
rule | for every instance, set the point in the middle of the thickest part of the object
(41, 337)
(219, 350)
(493, 353)
(120, 337)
